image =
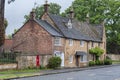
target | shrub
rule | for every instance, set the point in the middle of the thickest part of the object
(54, 62)
(91, 63)
(97, 52)
(107, 62)
(98, 62)
(42, 67)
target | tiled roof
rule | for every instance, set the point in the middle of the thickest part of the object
(48, 27)
(80, 30)
(8, 44)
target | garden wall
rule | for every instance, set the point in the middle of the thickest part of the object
(114, 56)
(8, 66)
(26, 61)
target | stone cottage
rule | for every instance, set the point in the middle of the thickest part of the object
(54, 35)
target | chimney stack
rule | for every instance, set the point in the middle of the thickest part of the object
(71, 13)
(32, 14)
(46, 5)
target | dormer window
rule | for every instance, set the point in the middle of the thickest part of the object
(69, 24)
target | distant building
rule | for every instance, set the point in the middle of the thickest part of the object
(53, 35)
(7, 46)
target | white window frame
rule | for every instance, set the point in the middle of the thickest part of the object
(71, 59)
(69, 24)
(70, 42)
(57, 43)
(82, 43)
(83, 58)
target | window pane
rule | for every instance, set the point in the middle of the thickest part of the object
(70, 42)
(81, 43)
(57, 40)
(71, 59)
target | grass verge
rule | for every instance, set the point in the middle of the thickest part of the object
(18, 73)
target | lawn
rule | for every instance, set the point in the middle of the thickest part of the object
(18, 73)
(115, 61)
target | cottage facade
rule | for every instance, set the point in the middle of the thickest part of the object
(53, 35)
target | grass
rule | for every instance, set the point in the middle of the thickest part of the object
(18, 73)
(115, 61)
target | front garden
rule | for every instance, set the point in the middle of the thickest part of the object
(97, 52)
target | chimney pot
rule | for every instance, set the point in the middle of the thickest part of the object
(32, 15)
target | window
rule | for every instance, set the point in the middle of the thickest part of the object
(92, 44)
(81, 43)
(57, 41)
(83, 58)
(71, 59)
(69, 24)
(70, 42)
(98, 44)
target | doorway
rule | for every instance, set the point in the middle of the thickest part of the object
(61, 55)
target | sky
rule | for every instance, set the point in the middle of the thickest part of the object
(15, 11)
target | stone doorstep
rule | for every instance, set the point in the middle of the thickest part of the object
(59, 71)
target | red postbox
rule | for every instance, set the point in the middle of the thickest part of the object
(37, 60)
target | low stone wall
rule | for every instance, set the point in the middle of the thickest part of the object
(8, 66)
(114, 56)
(26, 61)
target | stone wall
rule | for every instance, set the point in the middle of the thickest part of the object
(114, 56)
(8, 66)
(30, 61)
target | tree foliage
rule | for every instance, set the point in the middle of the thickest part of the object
(96, 51)
(39, 10)
(99, 11)
(54, 62)
(5, 23)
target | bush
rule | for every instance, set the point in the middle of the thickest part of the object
(98, 62)
(54, 62)
(91, 63)
(107, 62)
(97, 52)
(42, 67)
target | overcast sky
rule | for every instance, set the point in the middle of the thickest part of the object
(15, 11)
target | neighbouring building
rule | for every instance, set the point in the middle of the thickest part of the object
(53, 35)
(7, 46)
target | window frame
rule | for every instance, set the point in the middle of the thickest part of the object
(82, 43)
(83, 58)
(92, 44)
(70, 42)
(57, 39)
(71, 59)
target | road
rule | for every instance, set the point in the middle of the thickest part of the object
(109, 73)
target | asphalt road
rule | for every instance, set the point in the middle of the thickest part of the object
(109, 73)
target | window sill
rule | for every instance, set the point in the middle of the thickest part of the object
(57, 45)
(83, 61)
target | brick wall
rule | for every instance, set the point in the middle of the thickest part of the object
(32, 38)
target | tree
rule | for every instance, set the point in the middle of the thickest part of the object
(39, 10)
(97, 52)
(99, 11)
(10, 35)
(5, 23)
(2, 27)
(2, 30)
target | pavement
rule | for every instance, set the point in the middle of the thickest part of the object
(58, 71)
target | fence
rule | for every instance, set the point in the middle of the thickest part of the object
(6, 58)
